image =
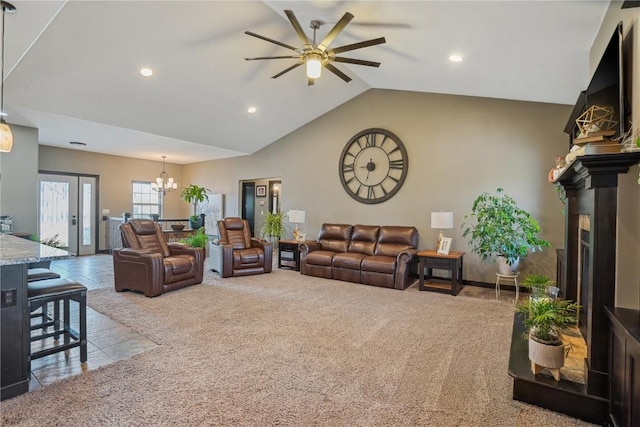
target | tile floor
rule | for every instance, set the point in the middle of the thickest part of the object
(110, 341)
(107, 340)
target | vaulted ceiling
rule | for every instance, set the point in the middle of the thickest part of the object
(73, 67)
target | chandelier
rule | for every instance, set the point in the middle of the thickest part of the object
(163, 183)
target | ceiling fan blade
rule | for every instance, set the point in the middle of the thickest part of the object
(298, 28)
(358, 45)
(267, 39)
(310, 81)
(356, 61)
(287, 70)
(273, 57)
(337, 72)
(333, 33)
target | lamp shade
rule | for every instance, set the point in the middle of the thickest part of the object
(442, 220)
(296, 217)
(6, 138)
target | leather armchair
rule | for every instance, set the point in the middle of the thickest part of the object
(238, 253)
(147, 263)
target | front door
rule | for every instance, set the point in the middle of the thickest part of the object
(67, 211)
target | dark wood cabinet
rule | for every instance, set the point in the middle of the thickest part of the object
(289, 254)
(624, 367)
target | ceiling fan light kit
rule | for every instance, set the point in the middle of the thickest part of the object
(316, 56)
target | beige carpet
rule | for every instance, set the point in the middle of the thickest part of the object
(285, 349)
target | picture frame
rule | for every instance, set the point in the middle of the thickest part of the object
(445, 245)
(261, 191)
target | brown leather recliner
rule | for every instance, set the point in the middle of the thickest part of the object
(147, 263)
(239, 253)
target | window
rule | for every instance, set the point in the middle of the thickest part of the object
(146, 201)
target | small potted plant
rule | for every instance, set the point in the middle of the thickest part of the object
(546, 319)
(538, 285)
(194, 194)
(497, 227)
(273, 228)
(196, 240)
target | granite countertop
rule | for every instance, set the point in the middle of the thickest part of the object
(15, 250)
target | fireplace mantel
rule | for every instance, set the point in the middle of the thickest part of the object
(591, 185)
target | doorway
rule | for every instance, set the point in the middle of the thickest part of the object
(67, 211)
(248, 203)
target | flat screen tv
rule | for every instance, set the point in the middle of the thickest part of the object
(606, 88)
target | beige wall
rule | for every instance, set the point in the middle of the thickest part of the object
(458, 148)
(115, 176)
(19, 180)
(628, 250)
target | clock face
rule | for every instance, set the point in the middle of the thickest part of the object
(373, 166)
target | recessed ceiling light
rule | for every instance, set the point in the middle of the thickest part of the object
(147, 72)
(252, 110)
(455, 58)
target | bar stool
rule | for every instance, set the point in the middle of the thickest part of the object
(507, 277)
(57, 291)
(33, 275)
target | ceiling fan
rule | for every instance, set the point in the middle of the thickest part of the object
(317, 56)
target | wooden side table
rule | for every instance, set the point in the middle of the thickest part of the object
(431, 259)
(289, 254)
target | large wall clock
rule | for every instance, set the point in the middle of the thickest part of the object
(373, 166)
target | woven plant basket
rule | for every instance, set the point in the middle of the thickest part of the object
(549, 356)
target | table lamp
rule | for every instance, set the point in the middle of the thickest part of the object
(441, 221)
(297, 217)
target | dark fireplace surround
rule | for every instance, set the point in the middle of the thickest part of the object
(588, 276)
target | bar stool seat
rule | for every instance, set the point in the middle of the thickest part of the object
(507, 277)
(35, 274)
(57, 291)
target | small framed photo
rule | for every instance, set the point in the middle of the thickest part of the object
(261, 191)
(445, 245)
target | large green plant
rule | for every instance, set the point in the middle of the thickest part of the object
(197, 240)
(546, 319)
(497, 226)
(194, 194)
(537, 284)
(273, 227)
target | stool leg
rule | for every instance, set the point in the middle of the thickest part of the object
(83, 327)
(515, 281)
(56, 318)
(67, 325)
(497, 288)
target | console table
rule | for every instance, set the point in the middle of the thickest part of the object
(15, 256)
(431, 259)
(289, 254)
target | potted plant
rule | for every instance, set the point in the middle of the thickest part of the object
(546, 319)
(497, 227)
(538, 285)
(196, 240)
(273, 227)
(194, 194)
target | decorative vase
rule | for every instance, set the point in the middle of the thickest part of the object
(195, 224)
(546, 356)
(508, 269)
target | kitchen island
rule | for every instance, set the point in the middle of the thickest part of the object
(15, 256)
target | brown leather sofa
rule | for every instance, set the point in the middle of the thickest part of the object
(237, 253)
(368, 254)
(147, 263)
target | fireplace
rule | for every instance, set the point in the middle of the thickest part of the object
(583, 281)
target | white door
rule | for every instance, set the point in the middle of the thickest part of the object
(66, 211)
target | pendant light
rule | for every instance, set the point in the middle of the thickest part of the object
(163, 183)
(6, 138)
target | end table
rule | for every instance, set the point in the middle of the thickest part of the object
(431, 259)
(289, 254)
